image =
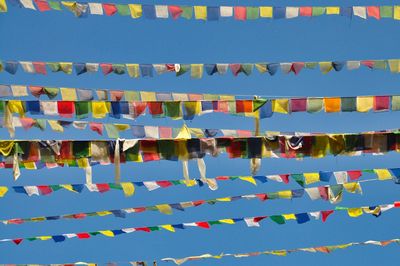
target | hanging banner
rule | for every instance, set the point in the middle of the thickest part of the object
(284, 252)
(75, 94)
(187, 110)
(279, 219)
(333, 194)
(33, 154)
(197, 70)
(129, 188)
(206, 13)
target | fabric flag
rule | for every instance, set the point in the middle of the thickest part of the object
(3, 6)
(200, 12)
(136, 10)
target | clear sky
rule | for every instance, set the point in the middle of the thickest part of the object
(52, 36)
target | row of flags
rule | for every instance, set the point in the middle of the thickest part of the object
(254, 221)
(206, 13)
(135, 70)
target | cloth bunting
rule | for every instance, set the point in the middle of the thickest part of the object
(136, 70)
(284, 252)
(129, 189)
(210, 13)
(74, 153)
(279, 218)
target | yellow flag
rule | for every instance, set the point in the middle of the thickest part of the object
(249, 179)
(354, 212)
(68, 94)
(103, 213)
(164, 208)
(394, 65)
(224, 199)
(3, 6)
(325, 67)
(44, 237)
(3, 191)
(365, 103)
(266, 11)
(122, 127)
(148, 96)
(133, 70)
(196, 71)
(83, 162)
(332, 10)
(68, 187)
(168, 227)
(128, 188)
(279, 252)
(200, 12)
(30, 165)
(16, 107)
(280, 106)
(227, 221)
(190, 183)
(311, 178)
(353, 187)
(136, 10)
(99, 109)
(383, 174)
(108, 233)
(396, 12)
(198, 132)
(55, 126)
(285, 194)
(290, 216)
(184, 133)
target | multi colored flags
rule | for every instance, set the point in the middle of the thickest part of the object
(196, 70)
(206, 13)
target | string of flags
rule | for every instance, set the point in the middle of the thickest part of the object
(279, 219)
(285, 252)
(129, 188)
(33, 154)
(113, 130)
(187, 110)
(279, 252)
(206, 13)
(332, 193)
(196, 70)
(73, 94)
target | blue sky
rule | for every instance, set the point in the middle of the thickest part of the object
(28, 35)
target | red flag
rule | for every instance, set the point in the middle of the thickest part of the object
(175, 11)
(354, 174)
(259, 218)
(36, 91)
(103, 187)
(106, 68)
(203, 225)
(109, 9)
(165, 132)
(66, 108)
(381, 103)
(297, 67)
(144, 229)
(397, 204)
(235, 68)
(116, 95)
(240, 12)
(15, 221)
(368, 63)
(262, 197)
(45, 190)
(96, 127)
(244, 106)
(17, 241)
(139, 209)
(79, 216)
(155, 108)
(139, 108)
(325, 214)
(40, 67)
(164, 184)
(198, 202)
(285, 178)
(83, 235)
(305, 11)
(374, 11)
(42, 5)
